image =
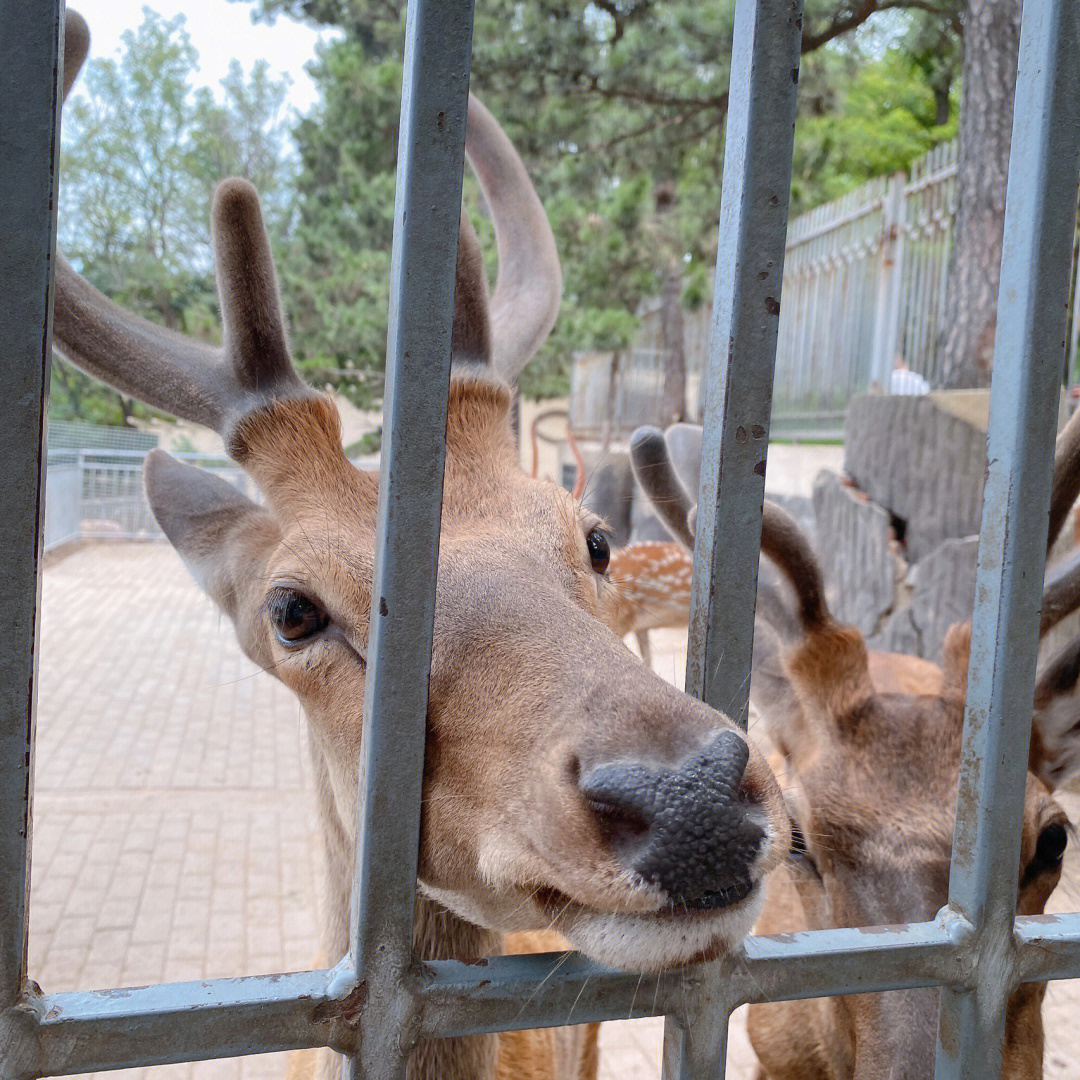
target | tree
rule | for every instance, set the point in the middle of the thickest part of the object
(618, 110)
(142, 154)
(991, 44)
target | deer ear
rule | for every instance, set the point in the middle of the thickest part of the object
(1055, 725)
(222, 536)
(771, 692)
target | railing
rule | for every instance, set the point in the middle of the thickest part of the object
(378, 1001)
(99, 494)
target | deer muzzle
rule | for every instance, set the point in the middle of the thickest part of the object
(686, 829)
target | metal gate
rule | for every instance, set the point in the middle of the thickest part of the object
(377, 1002)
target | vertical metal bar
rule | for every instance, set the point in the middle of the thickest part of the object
(742, 349)
(427, 209)
(30, 62)
(890, 277)
(1039, 214)
(700, 1048)
(739, 377)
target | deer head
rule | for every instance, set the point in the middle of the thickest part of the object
(564, 782)
(871, 747)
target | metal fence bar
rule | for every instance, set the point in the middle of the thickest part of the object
(434, 101)
(108, 1029)
(739, 376)
(738, 401)
(1028, 360)
(30, 62)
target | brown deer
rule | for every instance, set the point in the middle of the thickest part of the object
(871, 746)
(564, 782)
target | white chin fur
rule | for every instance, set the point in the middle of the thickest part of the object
(646, 943)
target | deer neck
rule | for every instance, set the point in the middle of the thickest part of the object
(438, 934)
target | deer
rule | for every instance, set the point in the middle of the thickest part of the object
(652, 580)
(563, 781)
(868, 744)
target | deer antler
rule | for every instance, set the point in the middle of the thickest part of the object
(528, 287)
(781, 538)
(217, 387)
(211, 386)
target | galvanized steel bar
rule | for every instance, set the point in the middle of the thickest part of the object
(112, 1029)
(695, 1044)
(434, 101)
(194, 1021)
(738, 403)
(742, 349)
(30, 70)
(1028, 362)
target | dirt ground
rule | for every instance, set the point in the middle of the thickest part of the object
(174, 833)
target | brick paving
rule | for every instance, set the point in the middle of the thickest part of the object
(174, 834)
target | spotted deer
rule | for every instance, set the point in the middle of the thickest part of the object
(563, 781)
(870, 744)
(652, 590)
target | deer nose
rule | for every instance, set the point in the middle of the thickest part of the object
(685, 829)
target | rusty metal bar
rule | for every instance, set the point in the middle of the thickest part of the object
(1029, 358)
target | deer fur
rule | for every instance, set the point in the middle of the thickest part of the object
(532, 700)
(868, 747)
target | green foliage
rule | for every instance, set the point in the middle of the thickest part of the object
(618, 108)
(142, 154)
(860, 120)
(336, 270)
(368, 443)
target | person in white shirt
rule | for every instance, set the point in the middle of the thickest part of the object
(905, 381)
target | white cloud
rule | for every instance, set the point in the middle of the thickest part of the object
(221, 31)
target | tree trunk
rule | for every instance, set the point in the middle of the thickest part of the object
(673, 399)
(991, 41)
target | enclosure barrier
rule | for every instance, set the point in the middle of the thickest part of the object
(378, 1001)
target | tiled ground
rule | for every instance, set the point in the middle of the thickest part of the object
(174, 836)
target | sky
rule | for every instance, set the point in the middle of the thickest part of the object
(221, 31)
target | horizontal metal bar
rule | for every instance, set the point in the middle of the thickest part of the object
(100, 1030)
(510, 992)
(191, 1021)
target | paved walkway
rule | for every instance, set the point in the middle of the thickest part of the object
(174, 836)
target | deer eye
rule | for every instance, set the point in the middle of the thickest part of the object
(1050, 847)
(599, 550)
(799, 855)
(295, 617)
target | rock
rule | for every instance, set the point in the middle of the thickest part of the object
(923, 458)
(856, 548)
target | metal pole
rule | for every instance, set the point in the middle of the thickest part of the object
(738, 403)
(742, 351)
(1039, 216)
(30, 63)
(434, 101)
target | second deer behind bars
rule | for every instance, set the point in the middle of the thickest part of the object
(566, 786)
